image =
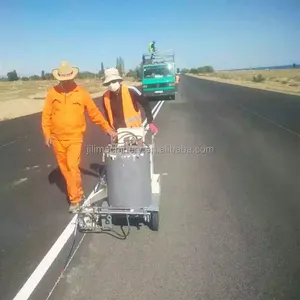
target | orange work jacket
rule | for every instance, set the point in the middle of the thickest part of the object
(63, 115)
(132, 117)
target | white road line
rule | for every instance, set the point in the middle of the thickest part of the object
(158, 108)
(35, 278)
(19, 138)
(268, 120)
(154, 109)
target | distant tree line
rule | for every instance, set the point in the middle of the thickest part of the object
(136, 73)
(199, 70)
(133, 73)
(13, 75)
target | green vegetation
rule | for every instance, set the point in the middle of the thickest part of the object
(199, 70)
(13, 75)
(135, 73)
(258, 78)
(120, 66)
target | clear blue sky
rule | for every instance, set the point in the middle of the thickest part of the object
(37, 35)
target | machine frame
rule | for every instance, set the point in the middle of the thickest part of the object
(95, 215)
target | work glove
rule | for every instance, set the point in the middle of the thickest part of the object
(153, 128)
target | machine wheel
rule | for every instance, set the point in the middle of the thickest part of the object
(154, 221)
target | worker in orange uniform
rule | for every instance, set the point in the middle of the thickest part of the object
(121, 103)
(63, 125)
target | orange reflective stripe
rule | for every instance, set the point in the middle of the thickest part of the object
(132, 117)
(107, 106)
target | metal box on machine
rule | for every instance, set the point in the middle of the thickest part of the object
(129, 177)
(129, 187)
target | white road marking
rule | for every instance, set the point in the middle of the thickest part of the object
(268, 120)
(154, 109)
(158, 108)
(17, 182)
(35, 278)
(155, 184)
(19, 138)
(30, 168)
(59, 278)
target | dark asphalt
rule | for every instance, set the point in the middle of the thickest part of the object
(230, 218)
(34, 210)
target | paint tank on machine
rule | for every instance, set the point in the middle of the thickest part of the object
(129, 177)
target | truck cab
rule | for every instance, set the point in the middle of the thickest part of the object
(159, 77)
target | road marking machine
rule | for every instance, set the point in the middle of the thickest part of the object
(127, 189)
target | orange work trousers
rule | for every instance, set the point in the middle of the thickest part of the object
(68, 155)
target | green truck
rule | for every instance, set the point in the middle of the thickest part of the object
(158, 76)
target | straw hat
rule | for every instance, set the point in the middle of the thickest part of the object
(65, 72)
(110, 75)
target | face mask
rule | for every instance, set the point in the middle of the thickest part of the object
(114, 86)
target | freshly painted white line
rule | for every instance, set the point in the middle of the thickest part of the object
(19, 138)
(268, 120)
(45, 264)
(155, 107)
(155, 184)
(35, 278)
(158, 109)
(61, 275)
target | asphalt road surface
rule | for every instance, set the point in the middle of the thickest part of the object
(229, 215)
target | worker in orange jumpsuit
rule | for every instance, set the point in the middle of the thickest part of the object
(121, 103)
(63, 126)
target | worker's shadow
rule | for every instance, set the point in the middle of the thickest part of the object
(56, 177)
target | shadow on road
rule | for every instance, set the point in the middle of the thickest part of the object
(98, 168)
(56, 177)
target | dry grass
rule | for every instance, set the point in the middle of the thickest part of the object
(23, 98)
(285, 81)
(37, 89)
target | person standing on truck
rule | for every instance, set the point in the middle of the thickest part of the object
(152, 48)
(63, 126)
(121, 103)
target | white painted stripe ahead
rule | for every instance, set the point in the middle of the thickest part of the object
(35, 278)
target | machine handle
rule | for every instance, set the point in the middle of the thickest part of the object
(114, 139)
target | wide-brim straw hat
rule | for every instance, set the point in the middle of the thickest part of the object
(111, 75)
(65, 71)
